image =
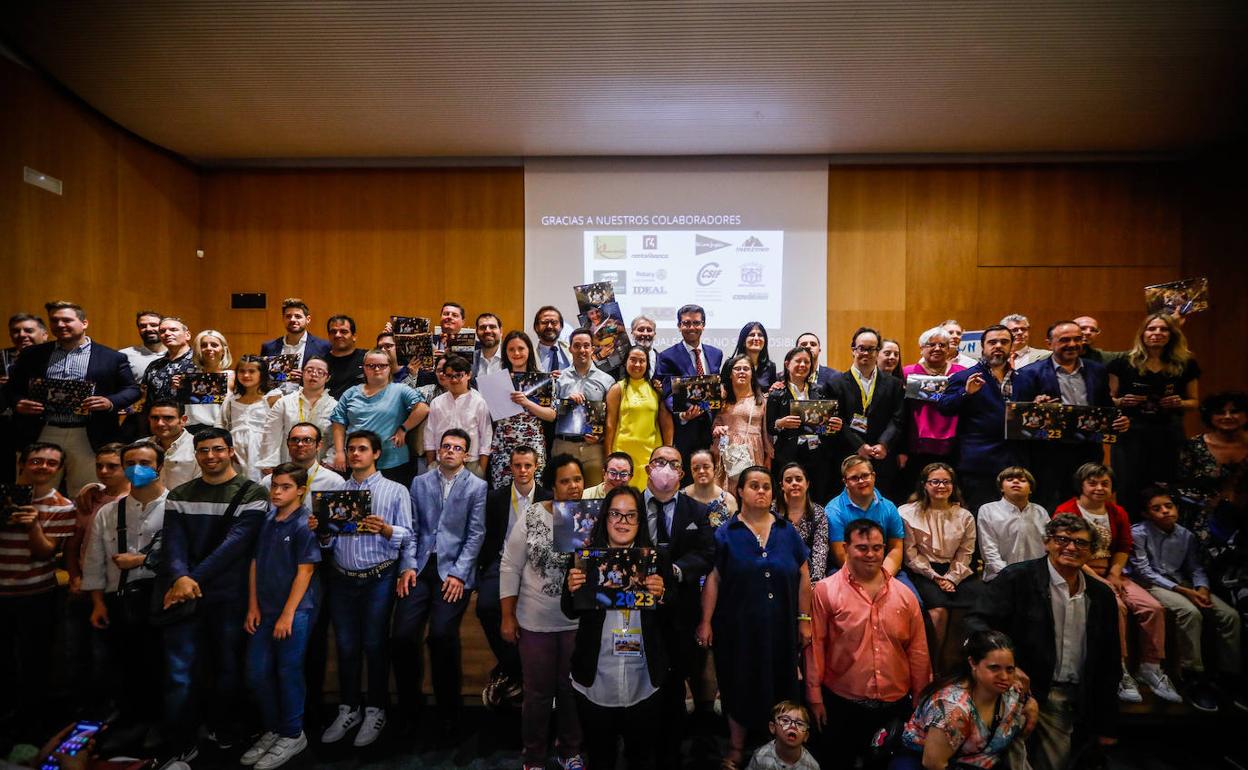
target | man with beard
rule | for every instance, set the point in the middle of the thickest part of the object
(297, 341)
(977, 397)
(552, 353)
(642, 331)
(26, 331)
(141, 356)
(488, 356)
(157, 380)
(345, 360)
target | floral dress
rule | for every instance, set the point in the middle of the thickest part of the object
(952, 711)
(814, 532)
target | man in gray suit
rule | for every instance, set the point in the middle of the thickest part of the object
(437, 573)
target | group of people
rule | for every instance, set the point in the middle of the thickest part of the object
(811, 572)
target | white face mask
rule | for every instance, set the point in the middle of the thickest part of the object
(664, 480)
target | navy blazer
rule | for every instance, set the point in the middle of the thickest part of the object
(982, 447)
(826, 379)
(497, 512)
(1040, 378)
(883, 416)
(453, 531)
(676, 362)
(691, 548)
(107, 368)
(315, 346)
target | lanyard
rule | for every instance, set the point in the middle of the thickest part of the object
(316, 467)
(867, 393)
(800, 396)
(515, 500)
(301, 419)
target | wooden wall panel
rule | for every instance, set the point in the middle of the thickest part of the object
(370, 243)
(123, 232)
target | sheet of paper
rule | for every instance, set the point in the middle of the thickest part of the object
(496, 388)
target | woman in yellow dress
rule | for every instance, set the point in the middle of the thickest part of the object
(637, 419)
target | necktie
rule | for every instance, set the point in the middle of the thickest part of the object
(554, 358)
(660, 521)
(697, 363)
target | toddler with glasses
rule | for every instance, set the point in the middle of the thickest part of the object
(790, 726)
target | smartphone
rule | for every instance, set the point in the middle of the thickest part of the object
(75, 742)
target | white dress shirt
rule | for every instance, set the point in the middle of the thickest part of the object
(482, 365)
(287, 411)
(143, 524)
(180, 466)
(468, 412)
(694, 355)
(1070, 624)
(320, 479)
(1008, 534)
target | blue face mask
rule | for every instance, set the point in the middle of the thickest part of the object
(140, 475)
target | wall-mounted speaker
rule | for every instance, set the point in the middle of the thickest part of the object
(251, 300)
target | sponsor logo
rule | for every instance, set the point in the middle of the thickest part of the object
(753, 245)
(709, 273)
(651, 275)
(753, 295)
(610, 246)
(653, 290)
(751, 274)
(649, 242)
(617, 278)
(703, 244)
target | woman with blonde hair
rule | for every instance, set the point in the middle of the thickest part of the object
(210, 353)
(1154, 384)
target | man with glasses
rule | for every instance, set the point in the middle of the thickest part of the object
(823, 376)
(437, 574)
(1091, 329)
(1021, 352)
(205, 557)
(1065, 631)
(860, 500)
(463, 408)
(867, 662)
(382, 407)
(1064, 378)
(310, 403)
(619, 471)
(578, 384)
(679, 526)
(345, 361)
(977, 397)
(689, 358)
(872, 408)
(503, 507)
(552, 353)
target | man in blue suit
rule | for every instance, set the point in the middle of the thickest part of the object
(438, 570)
(977, 397)
(1069, 379)
(689, 358)
(298, 340)
(72, 356)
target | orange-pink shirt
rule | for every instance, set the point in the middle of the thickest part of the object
(864, 649)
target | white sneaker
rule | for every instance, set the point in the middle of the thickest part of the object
(1161, 686)
(1128, 690)
(374, 723)
(284, 750)
(347, 718)
(258, 749)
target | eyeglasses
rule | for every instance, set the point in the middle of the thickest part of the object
(692, 324)
(1020, 330)
(454, 375)
(660, 462)
(861, 349)
(453, 448)
(935, 344)
(376, 367)
(940, 482)
(627, 517)
(317, 372)
(619, 474)
(301, 441)
(788, 721)
(860, 478)
(212, 450)
(1079, 543)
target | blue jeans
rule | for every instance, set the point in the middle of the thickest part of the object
(275, 673)
(216, 629)
(360, 612)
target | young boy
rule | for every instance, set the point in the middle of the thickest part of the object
(790, 724)
(1011, 529)
(281, 610)
(1095, 483)
(1166, 561)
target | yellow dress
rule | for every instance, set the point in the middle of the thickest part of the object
(637, 431)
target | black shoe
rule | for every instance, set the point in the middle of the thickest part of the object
(1203, 698)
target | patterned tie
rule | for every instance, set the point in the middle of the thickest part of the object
(697, 362)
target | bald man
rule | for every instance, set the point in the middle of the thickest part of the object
(1091, 329)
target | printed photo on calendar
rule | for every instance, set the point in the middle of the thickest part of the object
(573, 521)
(61, 396)
(205, 387)
(615, 578)
(340, 512)
(406, 324)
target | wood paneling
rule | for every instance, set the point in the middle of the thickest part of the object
(369, 243)
(123, 233)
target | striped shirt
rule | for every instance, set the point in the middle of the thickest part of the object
(21, 574)
(195, 545)
(393, 504)
(68, 365)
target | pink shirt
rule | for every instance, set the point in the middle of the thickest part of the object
(931, 432)
(865, 649)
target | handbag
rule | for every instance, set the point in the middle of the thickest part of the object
(737, 457)
(167, 616)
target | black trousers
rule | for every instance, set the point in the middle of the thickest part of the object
(602, 727)
(490, 613)
(851, 727)
(424, 607)
(129, 655)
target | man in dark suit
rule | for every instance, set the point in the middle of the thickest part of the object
(72, 356)
(503, 507)
(437, 574)
(823, 376)
(977, 397)
(1068, 379)
(1065, 632)
(679, 526)
(689, 358)
(871, 410)
(298, 340)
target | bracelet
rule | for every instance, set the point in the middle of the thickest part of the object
(803, 616)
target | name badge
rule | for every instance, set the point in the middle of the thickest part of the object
(626, 642)
(858, 423)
